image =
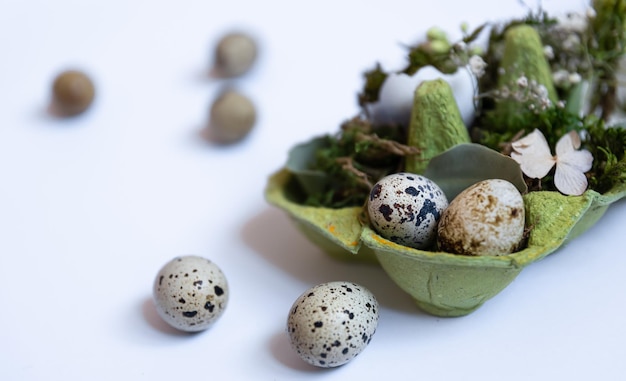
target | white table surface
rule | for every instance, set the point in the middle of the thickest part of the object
(92, 207)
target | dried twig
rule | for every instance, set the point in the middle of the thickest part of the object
(347, 165)
(507, 147)
(390, 146)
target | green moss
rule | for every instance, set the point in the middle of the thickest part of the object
(608, 146)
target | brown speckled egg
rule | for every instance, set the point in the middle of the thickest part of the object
(405, 208)
(485, 219)
(331, 323)
(190, 293)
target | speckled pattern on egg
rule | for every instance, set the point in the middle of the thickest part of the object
(190, 293)
(405, 208)
(331, 323)
(485, 219)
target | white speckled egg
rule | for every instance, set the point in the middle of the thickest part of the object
(485, 219)
(331, 323)
(190, 293)
(405, 208)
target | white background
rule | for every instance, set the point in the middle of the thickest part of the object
(92, 207)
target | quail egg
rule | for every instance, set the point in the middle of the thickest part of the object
(190, 293)
(485, 219)
(235, 54)
(331, 323)
(73, 92)
(405, 208)
(232, 117)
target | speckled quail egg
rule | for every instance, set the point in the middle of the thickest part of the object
(405, 208)
(190, 293)
(485, 219)
(331, 323)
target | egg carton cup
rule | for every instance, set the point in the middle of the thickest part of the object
(444, 284)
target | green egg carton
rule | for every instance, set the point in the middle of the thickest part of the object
(444, 284)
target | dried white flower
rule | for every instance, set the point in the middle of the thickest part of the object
(560, 77)
(533, 154)
(548, 52)
(503, 93)
(565, 79)
(477, 65)
(574, 78)
(571, 43)
(528, 92)
(541, 91)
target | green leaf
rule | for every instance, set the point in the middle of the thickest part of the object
(466, 164)
(474, 35)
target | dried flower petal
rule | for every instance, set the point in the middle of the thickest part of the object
(571, 165)
(533, 154)
(477, 65)
(570, 180)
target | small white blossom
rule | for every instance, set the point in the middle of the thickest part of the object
(574, 78)
(477, 65)
(564, 78)
(571, 42)
(541, 92)
(504, 92)
(590, 13)
(535, 159)
(545, 103)
(560, 77)
(526, 91)
(548, 52)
